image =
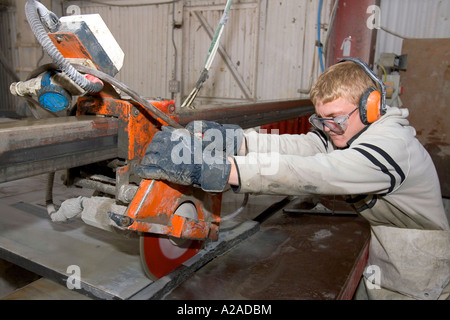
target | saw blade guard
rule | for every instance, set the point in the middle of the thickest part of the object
(155, 209)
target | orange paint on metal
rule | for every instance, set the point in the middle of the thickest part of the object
(177, 223)
(150, 227)
(187, 228)
(138, 127)
(70, 46)
(155, 202)
(194, 230)
(153, 199)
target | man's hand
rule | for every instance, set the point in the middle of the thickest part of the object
(230, 136)
(175, 155)
(158, 162)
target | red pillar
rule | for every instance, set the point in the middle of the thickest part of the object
(354, 32)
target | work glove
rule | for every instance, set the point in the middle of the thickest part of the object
(175, 155)
(230, 136)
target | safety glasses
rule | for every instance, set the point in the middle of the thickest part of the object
(337, 124)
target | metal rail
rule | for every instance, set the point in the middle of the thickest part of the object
(252, 114)
(32, 147)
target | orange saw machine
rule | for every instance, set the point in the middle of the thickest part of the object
(106, 133)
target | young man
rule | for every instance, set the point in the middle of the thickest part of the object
(360, 148)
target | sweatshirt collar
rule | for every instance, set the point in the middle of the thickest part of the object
(349, 142)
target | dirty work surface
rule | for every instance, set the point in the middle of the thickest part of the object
(109, 263)
(293, 256)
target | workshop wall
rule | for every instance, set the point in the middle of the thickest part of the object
(424, 19)
(267, 49)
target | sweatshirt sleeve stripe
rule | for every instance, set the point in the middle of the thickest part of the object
(379, 165)
(388, 159)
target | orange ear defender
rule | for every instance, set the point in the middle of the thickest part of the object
(369, 106)
(372, 104)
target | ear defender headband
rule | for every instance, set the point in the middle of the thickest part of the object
(372, 104)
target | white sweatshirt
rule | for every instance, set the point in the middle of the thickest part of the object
(386, 172)
(389, 178)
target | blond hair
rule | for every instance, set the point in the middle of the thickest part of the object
(343, 80)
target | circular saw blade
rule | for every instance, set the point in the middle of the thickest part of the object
(161, 254)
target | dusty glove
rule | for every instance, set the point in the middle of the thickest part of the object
(229, 136)
(175, 155)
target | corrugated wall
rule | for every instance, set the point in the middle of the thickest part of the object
(233, 72)
(289, 56)
(411, 19)
(269, 50)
